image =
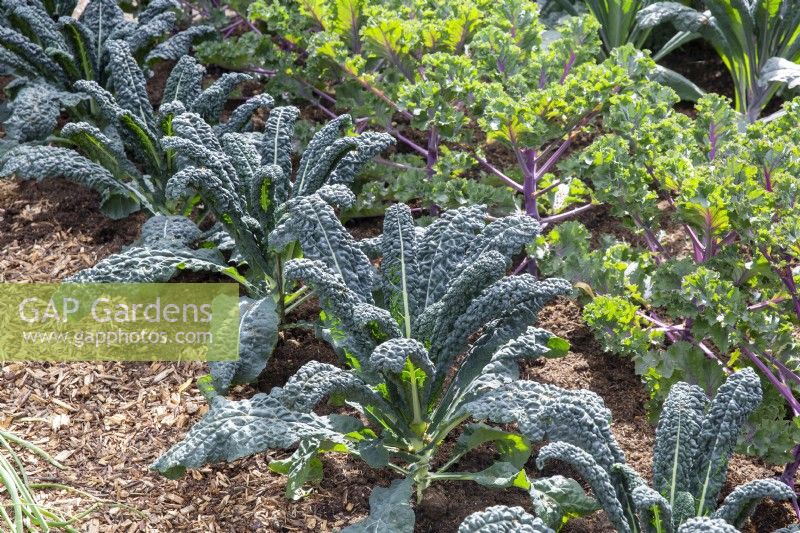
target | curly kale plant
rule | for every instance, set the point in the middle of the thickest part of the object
(247, 182)
(474, 89)
(709, 284)
(429, 340)
(694, 441)
(122, 155)
(48, 50)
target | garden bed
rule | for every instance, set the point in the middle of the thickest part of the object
(106, 422)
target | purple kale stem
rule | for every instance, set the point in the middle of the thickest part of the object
(355, 40)
(564, 146)
(552, 219)
(786, 276)
(649, 237)
(783, 370)
(729, 238)
(553, 159)
(712, 140)
(527, 163)
(405, 140)
(709, 250)
(790, 470)
(788, 280)
(408, 142)
(377, 92)
(781, 387)
(325, 96)
(508, 181)
(251, 26)
(697, 247)
(433, 150)
(768, 179)
(766, 303)
(262, 71)
(230, 28)
(687, 336)
(325, 110)
(521, 266)
(567, 66)
(789, 476)
(395, 164)
(547, 189)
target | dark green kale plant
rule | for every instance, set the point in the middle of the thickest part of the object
(47, 51)
(429, 343)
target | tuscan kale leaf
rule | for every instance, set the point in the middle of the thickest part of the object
(122, 155)
(48, 50)
(247, 181)
(694, 441)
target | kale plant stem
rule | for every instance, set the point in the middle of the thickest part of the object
(778, 384)
(433, 150)
(325, 110)
(766, 303)
(497, 172)
(546, 221)
(411, 144)
(527, 163)
(650, 238)
(685, 336)
(790, 470)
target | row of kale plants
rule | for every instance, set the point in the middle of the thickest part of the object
(488, 106)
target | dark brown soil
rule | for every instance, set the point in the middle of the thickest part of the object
(50, 228)
(59, 205)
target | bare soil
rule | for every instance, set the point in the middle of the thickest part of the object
(51, 229)
(108, 421)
